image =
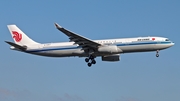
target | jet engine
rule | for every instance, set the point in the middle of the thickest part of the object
(115, 57)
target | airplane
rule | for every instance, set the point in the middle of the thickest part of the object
(80, 46)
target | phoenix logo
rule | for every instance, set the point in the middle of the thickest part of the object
(17, 36)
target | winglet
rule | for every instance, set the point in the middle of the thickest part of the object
(57, 26)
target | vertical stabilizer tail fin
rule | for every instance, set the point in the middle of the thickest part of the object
(19, 36)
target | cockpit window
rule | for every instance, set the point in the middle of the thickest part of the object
(167, 39)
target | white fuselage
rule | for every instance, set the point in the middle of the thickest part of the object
(107, 49)
(127, 45)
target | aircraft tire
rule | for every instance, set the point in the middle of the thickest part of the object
(93, 61)
(89, 64)
(87, 59)
(157, 55)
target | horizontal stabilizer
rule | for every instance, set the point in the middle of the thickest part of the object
(23, 48)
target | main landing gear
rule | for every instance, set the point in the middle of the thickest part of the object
(157, 53)
(90, 60)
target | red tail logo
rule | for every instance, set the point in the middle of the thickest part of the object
(17, 36)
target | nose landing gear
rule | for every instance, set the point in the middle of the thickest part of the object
(157, 53)
(90, 60)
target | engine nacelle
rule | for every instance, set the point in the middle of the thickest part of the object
(109, 49)
(115, 57)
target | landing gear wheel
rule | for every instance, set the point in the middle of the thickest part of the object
(157, 55)
(89, 64)
(87, 59)
(93, 61)
(90, 60)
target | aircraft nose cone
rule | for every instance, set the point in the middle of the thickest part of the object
(172, 43)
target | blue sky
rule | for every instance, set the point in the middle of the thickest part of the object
(137, 77)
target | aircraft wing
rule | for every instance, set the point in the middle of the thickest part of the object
(80, 40)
